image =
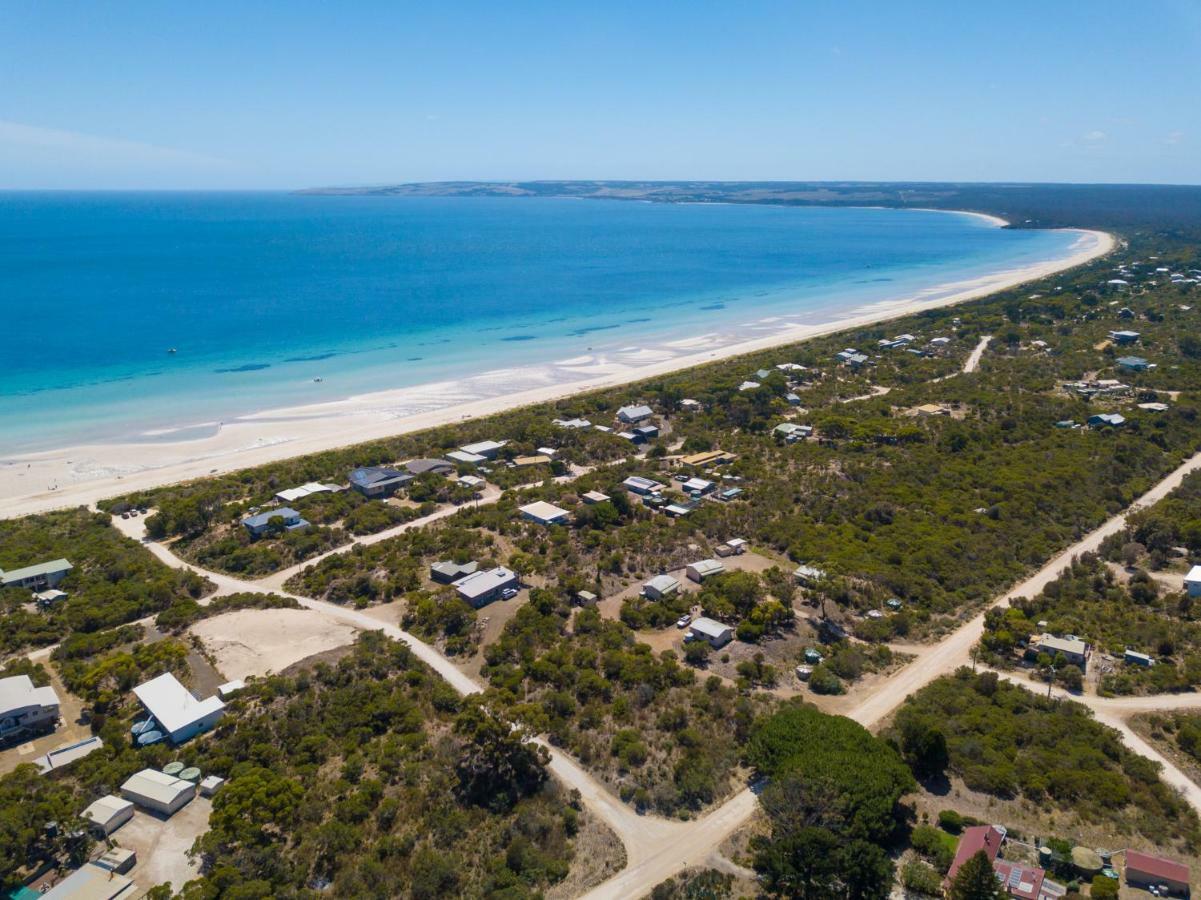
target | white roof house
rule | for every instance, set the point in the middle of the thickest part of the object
(581, 424)
(1192, 581)
(227, 690)
(91, 882)
(544, 513)
(705, 568)
(305, 490)
(158, 792)
(179, 714)
(109, 813)
(480, 588)
(635, 413)
(807, 574)
(595, 497)
(1074, 649)
(717, 634)
(698, 485)
(660, 586)
(24, 707)
(486, 449)
(462, 456)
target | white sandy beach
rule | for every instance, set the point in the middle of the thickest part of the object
(82, 475)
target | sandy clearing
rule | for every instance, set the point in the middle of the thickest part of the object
(258, 641)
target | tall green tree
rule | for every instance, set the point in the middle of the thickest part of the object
(976, 880)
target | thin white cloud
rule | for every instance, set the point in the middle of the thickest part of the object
(1174, 137)
(1093, 136)
(97, 149)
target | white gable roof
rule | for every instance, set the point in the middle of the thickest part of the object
(17, 692)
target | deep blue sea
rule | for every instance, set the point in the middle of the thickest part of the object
(261, 293)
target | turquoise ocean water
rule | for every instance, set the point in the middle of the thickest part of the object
(261, 293)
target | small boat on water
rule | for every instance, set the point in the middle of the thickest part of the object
(171, 350)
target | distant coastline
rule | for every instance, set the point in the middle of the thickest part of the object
(85, 474)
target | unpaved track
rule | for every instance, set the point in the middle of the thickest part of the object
(973, 360)
(657, 848)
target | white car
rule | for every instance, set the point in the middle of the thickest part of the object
(508, 593)
(684, 620)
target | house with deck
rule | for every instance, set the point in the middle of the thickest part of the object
(26, 710)
(38, 577)
(633, 414)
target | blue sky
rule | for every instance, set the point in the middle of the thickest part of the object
(283, 95)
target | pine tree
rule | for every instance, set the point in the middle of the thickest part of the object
(976, 880)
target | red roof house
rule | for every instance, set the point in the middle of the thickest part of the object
(1144, 870)
(1020, 881)
(1023, 882)
(979, 837)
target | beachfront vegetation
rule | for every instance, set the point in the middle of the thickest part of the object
(1003, 740)
(114, 580)
(937, 511)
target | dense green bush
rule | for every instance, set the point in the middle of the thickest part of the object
(1006, 741)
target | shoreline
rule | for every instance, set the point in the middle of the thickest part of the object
(83, 474)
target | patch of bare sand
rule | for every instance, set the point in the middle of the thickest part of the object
(258, 641)
(599, 855)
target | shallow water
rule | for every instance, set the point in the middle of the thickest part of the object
(262, 294)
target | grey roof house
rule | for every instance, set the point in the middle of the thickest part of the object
(38, 577)
(260, 524)
(377, 482)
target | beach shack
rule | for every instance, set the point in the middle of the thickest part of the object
(705, 629)
(25, 709)
(378, 482)
(545, 513)
(1192, 581)
(481, 588)
(632, 415)
(660, 587)
(285, 518)
(38, 577)
(158, 792)
(705, 568)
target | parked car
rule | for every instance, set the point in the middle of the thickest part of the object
(684, 621)
(508, 593)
